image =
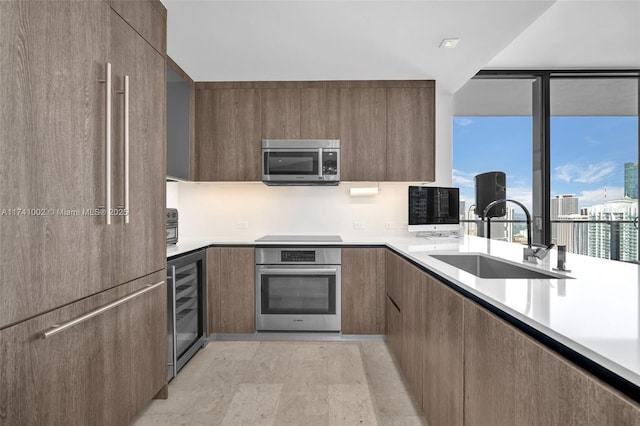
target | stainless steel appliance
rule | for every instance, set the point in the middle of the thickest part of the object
(298, 287)
(172, 226)
(301, 162)
(186, 314)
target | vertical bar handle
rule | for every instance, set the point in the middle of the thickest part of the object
(107, 82)
(126, 148)
(320, 163)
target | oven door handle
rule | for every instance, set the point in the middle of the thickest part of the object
(299, 271)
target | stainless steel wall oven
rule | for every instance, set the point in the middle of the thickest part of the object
(298, 288)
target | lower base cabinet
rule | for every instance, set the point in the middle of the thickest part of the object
(101, 371)
(231, 290)
(476, 369)
(443, 355)
(394, 328)
(510, 379)
(363, 290)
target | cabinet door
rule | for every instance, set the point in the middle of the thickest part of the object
(147, 17)
(139, 247)
(443, 351)
(410, 134)
(394, 270)
(363, 131)
(228, 134)
(393, 320)
(363, 290)
(52, 155)
(510, 379)
(231, 290)
(280, 113)
(319, 116)
(101, 371)
(413, 325)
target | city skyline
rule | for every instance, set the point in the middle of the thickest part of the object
(588, 155)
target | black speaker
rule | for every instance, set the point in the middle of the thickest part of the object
(491, 186)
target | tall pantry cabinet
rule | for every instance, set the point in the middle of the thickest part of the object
(65, 157)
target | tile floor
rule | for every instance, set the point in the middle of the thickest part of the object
(287, 383)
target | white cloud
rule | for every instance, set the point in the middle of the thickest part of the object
(590, 174)
(462, 121)
(522, 194)
(596, 196)
(463, 179)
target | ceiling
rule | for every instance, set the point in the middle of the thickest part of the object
(359, 40)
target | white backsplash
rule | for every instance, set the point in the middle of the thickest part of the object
(253, 209)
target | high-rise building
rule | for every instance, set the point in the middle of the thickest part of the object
(631, 180)
(574, 234)
(562, 205)
(600, 233)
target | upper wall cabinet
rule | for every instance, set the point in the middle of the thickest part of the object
(319, 114)
(180, 119)
(228, 134)
(386, 128)
(410, 134)
(281, 113)
(362, 134)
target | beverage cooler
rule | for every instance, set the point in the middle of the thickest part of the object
(186, 291)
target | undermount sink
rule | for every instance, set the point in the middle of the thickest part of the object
(484, 266)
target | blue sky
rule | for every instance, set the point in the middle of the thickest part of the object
(587, 155)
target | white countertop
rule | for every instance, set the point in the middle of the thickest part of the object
(597, 313)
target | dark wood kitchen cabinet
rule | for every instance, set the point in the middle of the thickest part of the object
(231, 290)
(413, 325)
(281, 113)
(363, 290)
(405, 286)
(443, 353)
(228, 134)
(102, 371)
(148, 17)
(319, 113)
(410, 148)
(59, 256)
(363, 127)
(138, 246)
(386, 128)
(510, 379)
(52, 155)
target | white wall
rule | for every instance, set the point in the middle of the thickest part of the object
(217, 209)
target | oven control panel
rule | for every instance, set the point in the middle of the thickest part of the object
(298, 256)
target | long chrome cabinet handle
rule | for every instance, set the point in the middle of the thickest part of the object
(320, 171)
(82, 318)
(107, 82)
(126, 148)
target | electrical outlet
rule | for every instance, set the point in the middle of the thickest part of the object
(358, 225)
(242, 224)
(389, 225)
(403, 225)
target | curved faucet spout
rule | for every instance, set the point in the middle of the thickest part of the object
(526, 212)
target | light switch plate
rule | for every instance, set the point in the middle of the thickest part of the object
(242, 224)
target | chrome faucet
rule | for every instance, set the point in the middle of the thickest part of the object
(530, 254)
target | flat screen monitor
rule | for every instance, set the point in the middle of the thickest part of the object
(433, 208)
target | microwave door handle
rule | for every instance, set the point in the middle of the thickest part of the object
(320, 162)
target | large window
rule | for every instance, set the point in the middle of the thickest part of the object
(568, 143)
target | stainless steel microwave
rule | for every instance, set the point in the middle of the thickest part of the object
(301, 161)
